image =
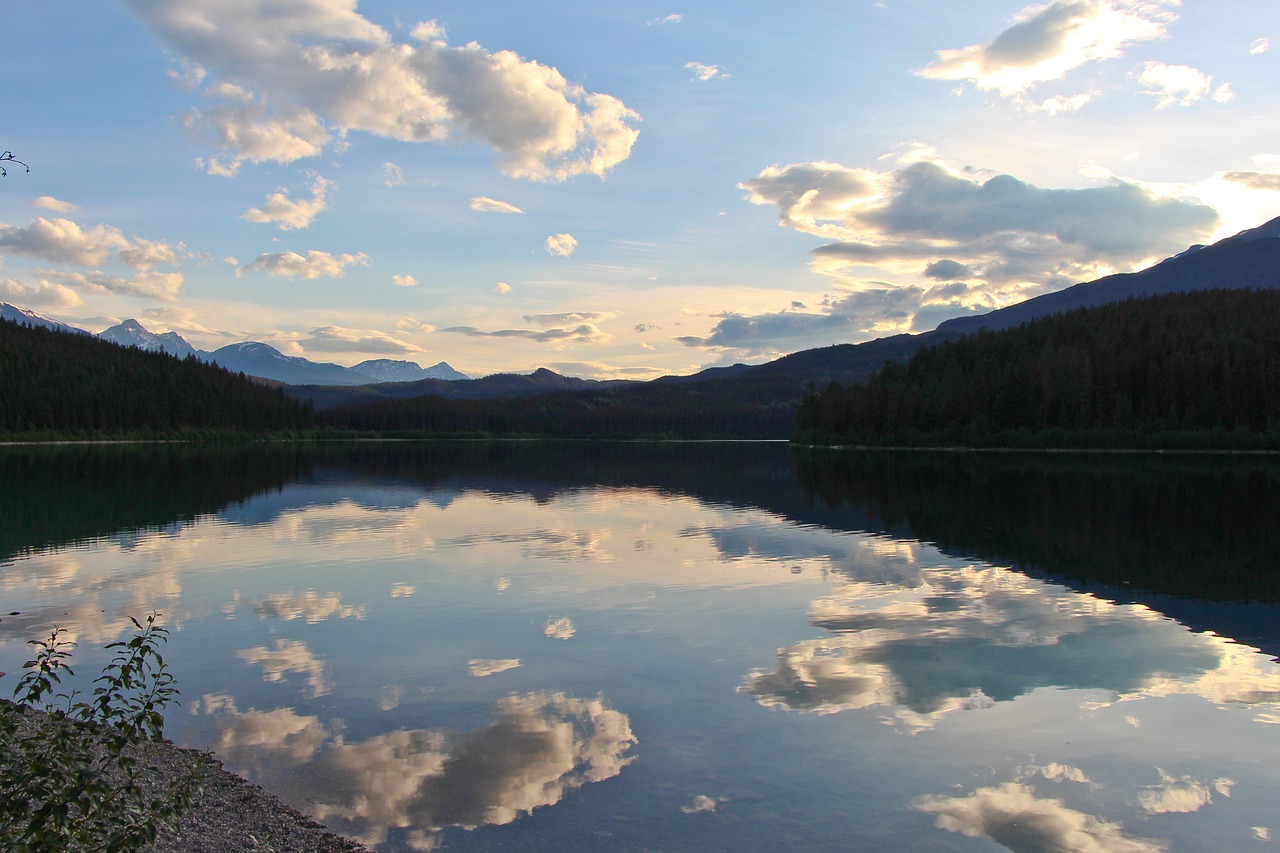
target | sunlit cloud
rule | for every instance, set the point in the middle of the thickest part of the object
(559, 628)
(669, 19)
(338, 339)
(41, 294)
(64, 241)
(164, 286)
(317, 70)
(288, 213)
(1012, 816)
(561, 244)
(502, 287)
(705, 72)
(1255, 180)
(1259, 46)
(567, 318)
(1181, 794)
(482, 667)
(1046, 42)
(1180, 85)
(485, 204)
(315, 264)
(404, 281)
(309, 605)
(286, 657)
(46, 202)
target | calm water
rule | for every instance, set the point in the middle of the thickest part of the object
(689, 646)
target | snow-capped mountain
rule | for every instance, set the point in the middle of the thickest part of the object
(131, 333)
(391, 370)
(14, 314)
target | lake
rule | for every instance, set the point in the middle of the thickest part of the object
(688, 646)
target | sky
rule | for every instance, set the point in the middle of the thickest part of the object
(613, 190)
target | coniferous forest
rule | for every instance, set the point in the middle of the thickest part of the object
(66, 385)
(1186, 370)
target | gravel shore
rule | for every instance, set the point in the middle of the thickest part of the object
(227, 813)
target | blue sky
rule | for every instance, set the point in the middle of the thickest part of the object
(613, 190)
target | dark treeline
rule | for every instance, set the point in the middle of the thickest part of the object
(66, 385)
(1184, 370)
(58, 496)
(707, 410)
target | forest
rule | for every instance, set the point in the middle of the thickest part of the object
(60, 385)
(1187, 370)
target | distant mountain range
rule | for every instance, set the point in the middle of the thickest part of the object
(252, 359)
(1250, 259)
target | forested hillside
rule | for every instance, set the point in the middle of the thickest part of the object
(1183, 370)
(65, 385)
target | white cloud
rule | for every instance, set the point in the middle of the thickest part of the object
(1064, 103)
(409, 324)
(404, 281)
(310, 606)
(561, 244)
(1046, 42)
(317, 69)
(568, 318)
(669, 19)
(164, 286)
(338, 339)
(392, 176)
(46, 202)
(1180, 85)
(1012, 816)
(560, 628)
(64, 241)
(315, 264)
(502, 287)
(705, 72)
(288, 656)
(492, 205)
(1180, 795)
(288, 213)
(482, 667)
(42, 294)
(1259, 46)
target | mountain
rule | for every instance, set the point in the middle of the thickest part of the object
(267, 362)
(390, 370)
(131, 333)
(494, 387)
(24, 317)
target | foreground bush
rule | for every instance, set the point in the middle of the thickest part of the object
(73, 774)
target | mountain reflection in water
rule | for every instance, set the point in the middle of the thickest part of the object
(479, 646)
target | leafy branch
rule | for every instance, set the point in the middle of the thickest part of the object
(73, 774)
(7, 157)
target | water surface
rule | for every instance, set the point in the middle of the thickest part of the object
(689, 646)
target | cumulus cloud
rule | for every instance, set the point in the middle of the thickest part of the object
(338, 339)
(1013, 240)
(492, 205)
(559, 628)
(310, 606)
(317, 69)
(502, 287)
(1181, 794)
(1063, 103)
(46, 202)
(1046, 42)
(1180, 85)
(163, 286)
(288, 656)
(315, 264)
(705, 72)
(411, 324)
(561, 244)
(404, 281)
(1012, 816)
(583, 333)
(64, 241)
(1255, 180)
(289, 213)
(42, 294)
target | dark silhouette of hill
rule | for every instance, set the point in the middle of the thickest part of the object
(1184, 369)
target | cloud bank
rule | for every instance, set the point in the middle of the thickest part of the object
(283, 80)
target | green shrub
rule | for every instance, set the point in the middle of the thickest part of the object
(74, 775)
